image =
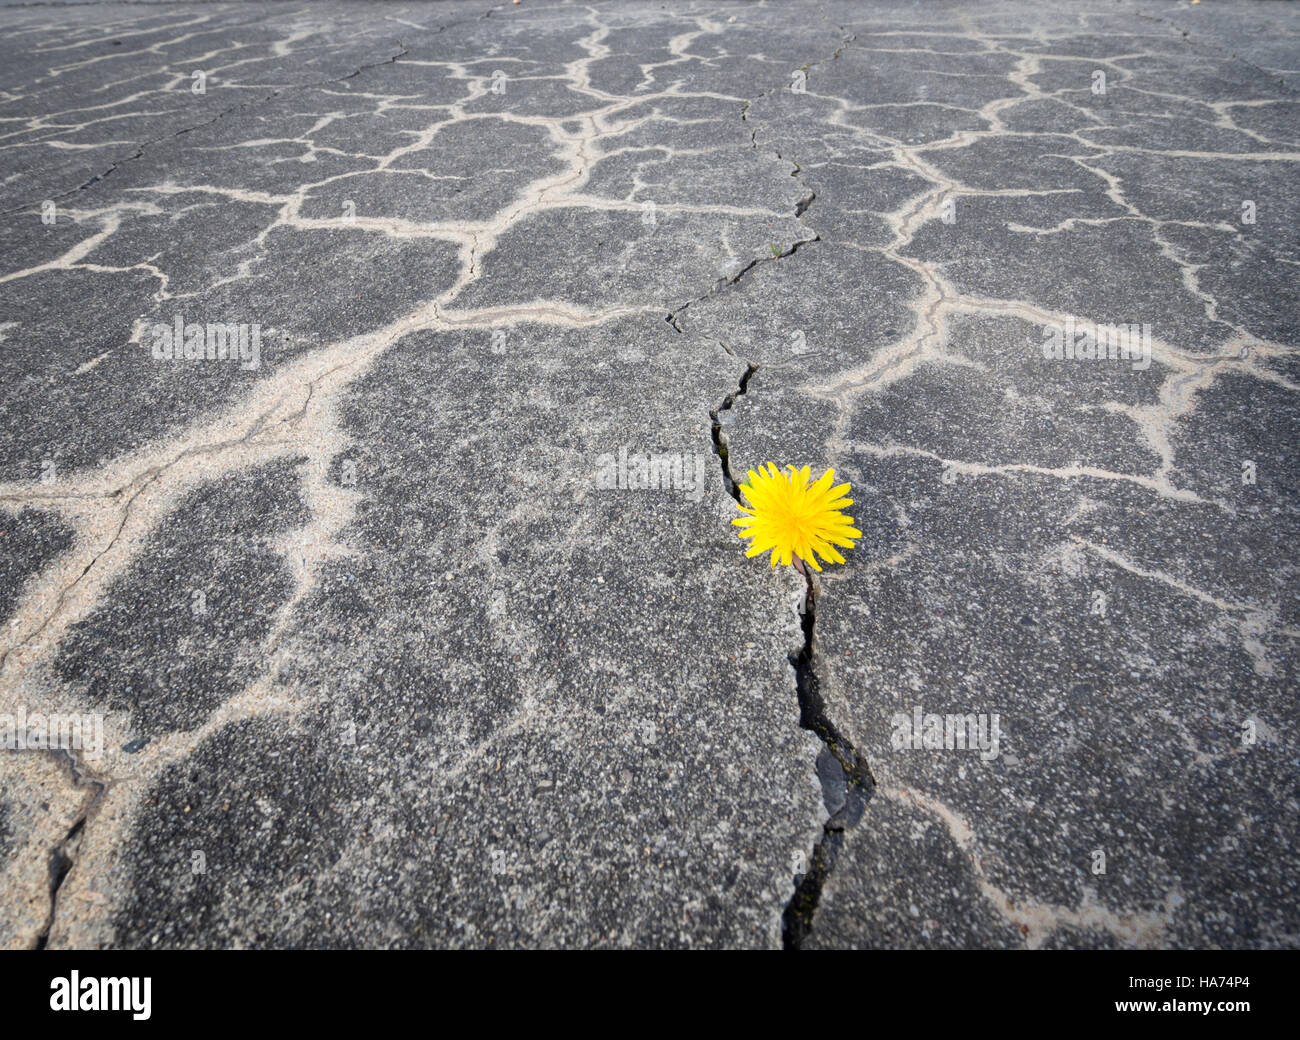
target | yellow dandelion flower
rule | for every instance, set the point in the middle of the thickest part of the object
(794, 517)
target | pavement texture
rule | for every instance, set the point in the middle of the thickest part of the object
(326, 328)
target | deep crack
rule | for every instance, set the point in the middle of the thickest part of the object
(845, 777)
(63, 858)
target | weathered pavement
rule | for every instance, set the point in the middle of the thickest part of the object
(379, 661)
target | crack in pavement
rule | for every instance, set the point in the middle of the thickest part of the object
(843, 774)
(64, 856)
(145, 146)
(115, 506)
(294, 398)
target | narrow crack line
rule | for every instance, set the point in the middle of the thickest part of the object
(718, 415)
(726, 281)
(64, 856)
(800, 208)
(143, 146)
(794, 248)
(64, 592)
(1215, 48)
(846, 39)
(138, 485)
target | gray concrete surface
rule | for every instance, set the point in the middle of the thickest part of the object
(378, 660)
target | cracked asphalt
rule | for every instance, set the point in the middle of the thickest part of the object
(377, 655)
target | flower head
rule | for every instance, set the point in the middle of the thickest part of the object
(794, 517)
